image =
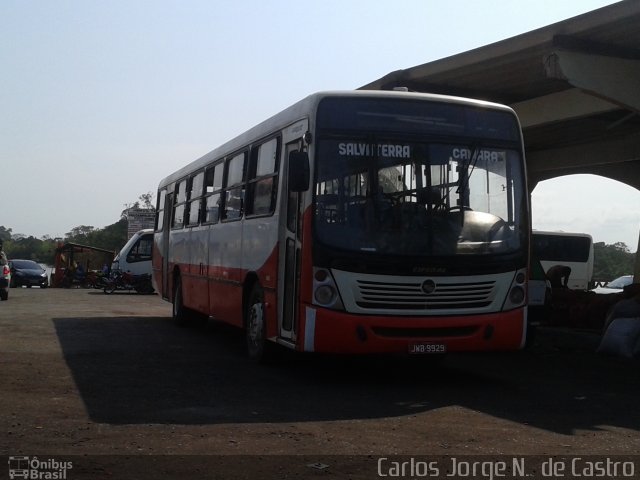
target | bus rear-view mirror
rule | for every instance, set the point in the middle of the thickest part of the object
(298, 171)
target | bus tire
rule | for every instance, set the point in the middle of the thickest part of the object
(179, 312)
(183, 316)
(259, 349)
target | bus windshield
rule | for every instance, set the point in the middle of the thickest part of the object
(419, 178)
(414, 198)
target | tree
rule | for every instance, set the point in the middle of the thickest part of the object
(79, 234)
(146, 199)
(611, 261)
(5, 233)
(144, 202)
(31, 248)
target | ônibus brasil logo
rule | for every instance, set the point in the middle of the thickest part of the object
(35, 469)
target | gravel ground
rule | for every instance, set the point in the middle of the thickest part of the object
(103, 378)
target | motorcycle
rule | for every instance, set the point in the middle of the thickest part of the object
(127, 281)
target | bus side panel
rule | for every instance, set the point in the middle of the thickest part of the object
(260, 257)
(260, 249)
(224, 274)
(226, 295)
(195, 285)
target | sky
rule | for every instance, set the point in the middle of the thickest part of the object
(101, 100)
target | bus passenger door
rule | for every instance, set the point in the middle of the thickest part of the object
(289, 255)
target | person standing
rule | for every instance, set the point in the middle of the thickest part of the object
(558, 276)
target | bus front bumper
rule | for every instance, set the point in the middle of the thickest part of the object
(329, 331)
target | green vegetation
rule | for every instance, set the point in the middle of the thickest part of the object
(612, 261)
(42, 250)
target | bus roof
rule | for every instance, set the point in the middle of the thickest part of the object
(302, 109)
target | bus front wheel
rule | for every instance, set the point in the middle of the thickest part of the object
(258, 347)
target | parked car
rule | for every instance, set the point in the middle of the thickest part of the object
(615, 286)
(28, 273)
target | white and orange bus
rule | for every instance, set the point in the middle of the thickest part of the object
(355, 222)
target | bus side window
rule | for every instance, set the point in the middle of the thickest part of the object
(160, 210)
(212, 187)
(195, 199)
(263, 181)
(180, 197)
(235, 190)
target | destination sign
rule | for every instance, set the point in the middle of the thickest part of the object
(483, 155)
(444, 154)
(374, 149)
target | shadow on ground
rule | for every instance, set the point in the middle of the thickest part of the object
(132, 370)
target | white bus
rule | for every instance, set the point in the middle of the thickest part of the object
(575, 250)
(355, 222)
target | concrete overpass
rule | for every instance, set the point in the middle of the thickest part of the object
(575, 85)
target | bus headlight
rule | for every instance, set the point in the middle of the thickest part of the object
(517, 291)
(325, 291)
(516, 295)
(325, 295)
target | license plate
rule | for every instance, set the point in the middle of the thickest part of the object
(422, 348)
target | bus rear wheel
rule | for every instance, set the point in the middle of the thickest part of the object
(179, 312)
(183, 316)
(259, 348)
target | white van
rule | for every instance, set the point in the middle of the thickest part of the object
(135, 256)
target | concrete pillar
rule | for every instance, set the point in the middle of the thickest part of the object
(636, 270)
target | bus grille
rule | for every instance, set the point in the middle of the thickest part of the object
(410, 296)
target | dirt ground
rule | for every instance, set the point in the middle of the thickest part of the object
(111, 383)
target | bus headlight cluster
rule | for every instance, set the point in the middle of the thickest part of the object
(325, 291)
(325, 294)
(517, 291)
(516, 295)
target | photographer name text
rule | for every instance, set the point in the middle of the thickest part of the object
(516, 467)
